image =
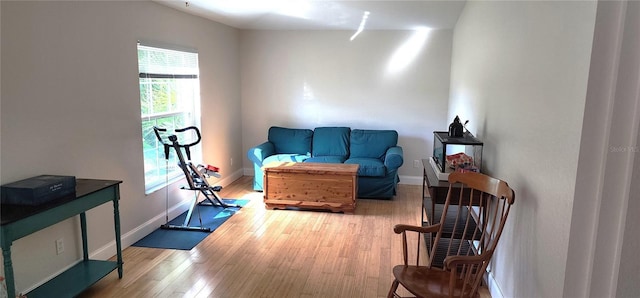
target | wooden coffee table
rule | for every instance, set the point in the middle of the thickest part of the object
(311, 185)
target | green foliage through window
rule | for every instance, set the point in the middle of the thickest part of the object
(169, 97)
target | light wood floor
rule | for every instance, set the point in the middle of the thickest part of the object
(276, 253)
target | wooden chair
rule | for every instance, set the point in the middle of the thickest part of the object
(465, 237)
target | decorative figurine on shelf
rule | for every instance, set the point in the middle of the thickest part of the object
(466, 131)
(455, 128)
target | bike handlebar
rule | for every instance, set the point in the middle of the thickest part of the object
(157, 131)
(197, 134)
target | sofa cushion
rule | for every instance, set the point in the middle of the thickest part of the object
(327, 159)
(290, 140)
(331, 141)
(369, 167)
(285, 157)
(372, 143)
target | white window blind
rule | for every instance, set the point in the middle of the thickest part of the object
(169, 98)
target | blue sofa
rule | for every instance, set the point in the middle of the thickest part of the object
(376, 151)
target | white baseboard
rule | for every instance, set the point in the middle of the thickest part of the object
(109, 250)
(137, 233)
(230, 178)
(494, 288)
(130, 237)
(410, 180)
(249, 172)
(48, 278)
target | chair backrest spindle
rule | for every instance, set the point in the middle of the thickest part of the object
(472, 227)
(462, 243)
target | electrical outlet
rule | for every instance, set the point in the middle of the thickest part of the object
(416, 163)
(59, 246)
(231, 161)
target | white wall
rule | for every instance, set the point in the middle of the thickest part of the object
(628, 283)
(307, 79)
(70, 105)
(519, 73)
(604, 240)
(594, 149)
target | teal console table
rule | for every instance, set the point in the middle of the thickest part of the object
(18, 221)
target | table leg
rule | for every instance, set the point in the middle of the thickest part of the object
(116, 221)
(83, 228)
(8, 270)
(422, 211)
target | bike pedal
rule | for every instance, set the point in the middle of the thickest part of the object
(217, 188)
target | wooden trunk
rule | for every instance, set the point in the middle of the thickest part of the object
(311, 185)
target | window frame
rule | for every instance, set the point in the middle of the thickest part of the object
(159, 174)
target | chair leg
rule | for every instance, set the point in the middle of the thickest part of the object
(394, 287)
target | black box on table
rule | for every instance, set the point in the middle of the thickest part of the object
(37, 190)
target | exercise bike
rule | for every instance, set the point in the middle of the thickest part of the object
(196, 177)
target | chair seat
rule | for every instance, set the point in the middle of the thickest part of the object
(427, 282)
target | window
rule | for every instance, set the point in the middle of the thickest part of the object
(169, 98)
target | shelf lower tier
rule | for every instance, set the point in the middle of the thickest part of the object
(450, 245)
(450, 220)
(75, 280)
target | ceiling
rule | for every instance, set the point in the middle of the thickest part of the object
(324, 15)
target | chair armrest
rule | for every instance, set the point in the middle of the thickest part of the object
(428, 229)
(258, 153)
(393, 159)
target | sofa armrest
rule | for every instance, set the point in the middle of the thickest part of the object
(393, 158)
(258, 153)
